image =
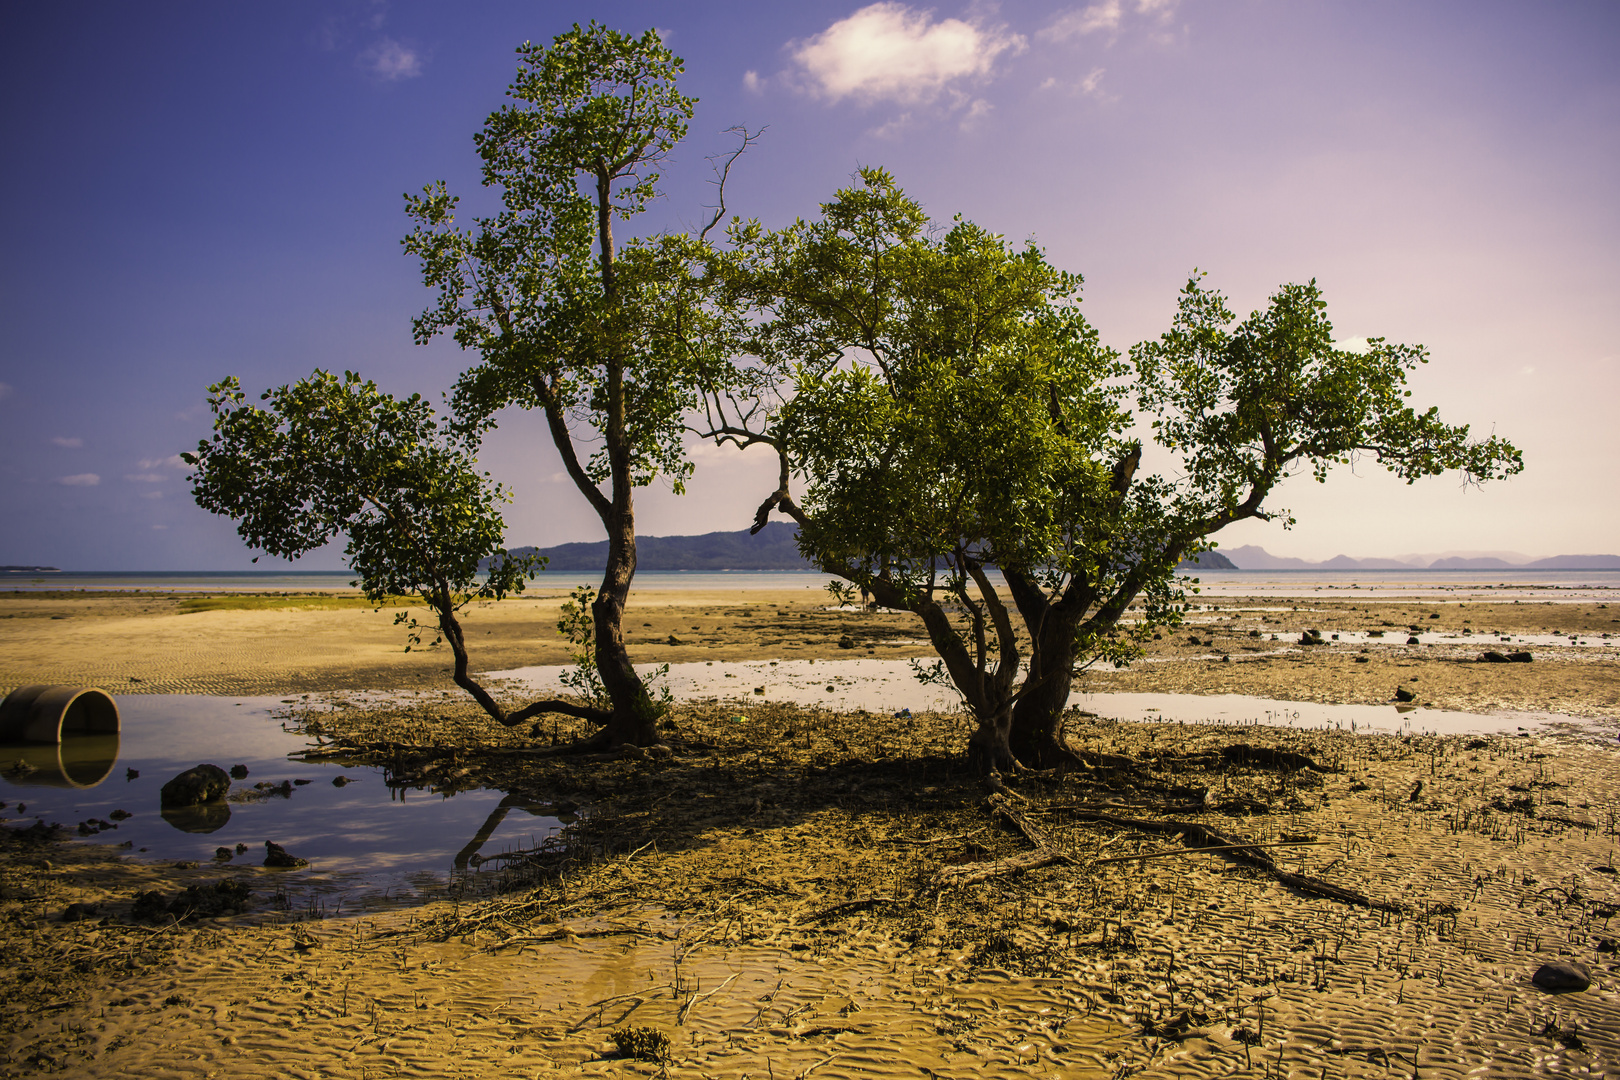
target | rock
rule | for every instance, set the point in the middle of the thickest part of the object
(1413, 640)
(120, 815)
(1311, 637)
(1520, 657)
(1492, 657)
(132, 774)
(203, 784)
(1403, 694)
(276, 855)
(300, 783)
(1562, 977)
(846, 642)
(149, 906)
(241, 849)
(239, 772)
(79, 912)
(341, 781)
(223, 853)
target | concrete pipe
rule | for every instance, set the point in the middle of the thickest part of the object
(43, 714)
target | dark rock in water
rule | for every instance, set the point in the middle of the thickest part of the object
(1562, 977)
(120, 815)
(223, 853)
(300, 783)
(241, 849)
(1403, 694)
(203, 784)
(79, 912)
(276, 855)
(132, 774)
(239, 772)
(340, 781)
(1520, 657)
(1311, 637)
(1413, 640)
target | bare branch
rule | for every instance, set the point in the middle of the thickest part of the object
(724, 171)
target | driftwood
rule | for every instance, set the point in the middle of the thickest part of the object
(1045, 853)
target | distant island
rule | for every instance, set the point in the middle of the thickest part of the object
(1249, 557)
(775, 547)
(31, 569)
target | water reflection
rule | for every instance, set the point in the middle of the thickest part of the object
(203, 818)
(78, 761)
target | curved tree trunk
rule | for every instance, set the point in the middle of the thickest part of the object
(1036, 727)
(635, 717)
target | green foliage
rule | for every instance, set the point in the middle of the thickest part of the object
(618, 338)
(579, 628)
(1242, 405)
(328, 457)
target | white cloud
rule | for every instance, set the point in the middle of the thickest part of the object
(976, 112)
(72, 442)
(752, 82)
(890, 51)
(1091, 85)
(86, 479)
(173, 461)
(1104, 16)
(144, 478)
(1109, 15)
(391, 61)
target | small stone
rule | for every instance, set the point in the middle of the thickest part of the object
(1562, 977)
(120, 815)
(276, 855)
(239, 772)
(241, 849)
(1403, 694)
(300, 783)
(341, 781)
(223, 853)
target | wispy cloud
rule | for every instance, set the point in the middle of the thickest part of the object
(1108, 15)
(72, 442)
(84, 479)
(391, 61)
(173, 461)
(889, 51)
(145, 478)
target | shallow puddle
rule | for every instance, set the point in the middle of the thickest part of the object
(360, 834)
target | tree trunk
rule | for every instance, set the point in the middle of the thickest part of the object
(1036, 735)
(988, 748)
(635, 717)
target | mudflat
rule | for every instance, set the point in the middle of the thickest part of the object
(789, 891)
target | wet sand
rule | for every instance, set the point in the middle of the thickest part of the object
(775, 896)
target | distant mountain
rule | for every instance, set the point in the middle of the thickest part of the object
(775, 547)
(1250, 557)
(1577, 562)
(1206, 560)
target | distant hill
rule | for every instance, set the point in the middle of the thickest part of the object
(1250, 557)
(775, 547)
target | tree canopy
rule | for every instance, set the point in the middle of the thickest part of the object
(949, 414)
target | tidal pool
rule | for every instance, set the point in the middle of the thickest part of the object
(362, 834)
(892, 685)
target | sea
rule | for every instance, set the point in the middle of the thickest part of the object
(1557, 585)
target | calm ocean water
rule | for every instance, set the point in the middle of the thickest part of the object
(1212, 582)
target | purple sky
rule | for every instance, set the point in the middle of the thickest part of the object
(204, 189)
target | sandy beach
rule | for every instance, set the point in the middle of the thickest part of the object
(806, 892)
